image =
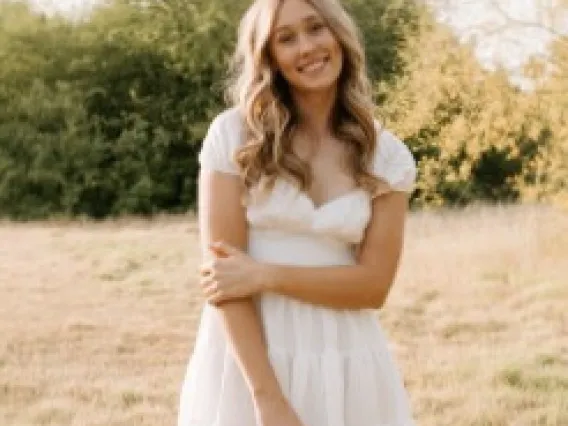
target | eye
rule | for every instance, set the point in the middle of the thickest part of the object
(316, 27)
(285, 38)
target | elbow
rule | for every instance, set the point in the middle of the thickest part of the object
(377, 301)
(375, 284)
(377, 294)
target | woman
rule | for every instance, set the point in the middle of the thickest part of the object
(302, 203)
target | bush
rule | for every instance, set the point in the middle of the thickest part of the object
(112, 123)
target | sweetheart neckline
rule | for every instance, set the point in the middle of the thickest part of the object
(317, 207)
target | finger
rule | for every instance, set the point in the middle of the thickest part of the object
(216, 298)
(217, 251)
(215, 294)
(206, 282)
(210, 287)
(214, 291)
(224, 248)
(206, 269)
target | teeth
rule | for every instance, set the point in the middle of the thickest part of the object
(314, 66)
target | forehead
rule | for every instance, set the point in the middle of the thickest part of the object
(294, 12)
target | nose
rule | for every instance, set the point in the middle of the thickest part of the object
(305, 44)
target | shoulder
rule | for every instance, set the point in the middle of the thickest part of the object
(229, 122)
(393, 160)
(224, 136)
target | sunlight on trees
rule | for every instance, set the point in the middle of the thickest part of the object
(105, 116)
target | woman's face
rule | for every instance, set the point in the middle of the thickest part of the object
(304, 49)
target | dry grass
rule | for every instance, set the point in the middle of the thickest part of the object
(97, 320)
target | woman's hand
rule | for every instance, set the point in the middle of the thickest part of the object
(275, 412)
(232, 274)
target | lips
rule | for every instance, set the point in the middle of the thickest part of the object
(314, 65)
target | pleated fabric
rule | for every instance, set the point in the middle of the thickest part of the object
(334, 368)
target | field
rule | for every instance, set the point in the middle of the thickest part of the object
(97, 320)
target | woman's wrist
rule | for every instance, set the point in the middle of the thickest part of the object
(269, 278)
(266, 397)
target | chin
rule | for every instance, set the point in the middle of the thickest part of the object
(316, 89)
(319, 85)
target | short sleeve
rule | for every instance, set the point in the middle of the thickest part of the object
(222, 140)
(394, 162)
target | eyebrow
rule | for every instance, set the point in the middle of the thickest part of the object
(310, 17)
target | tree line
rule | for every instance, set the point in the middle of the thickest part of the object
(105, 116)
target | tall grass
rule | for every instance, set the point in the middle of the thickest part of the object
(98, 320)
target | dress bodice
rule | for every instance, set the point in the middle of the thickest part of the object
(287, 208)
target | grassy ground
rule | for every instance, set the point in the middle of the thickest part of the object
(97, 320)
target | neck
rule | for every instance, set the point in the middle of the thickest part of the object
(315, 110)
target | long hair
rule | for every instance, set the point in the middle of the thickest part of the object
(270, 118)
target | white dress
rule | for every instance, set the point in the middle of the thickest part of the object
(333, 365)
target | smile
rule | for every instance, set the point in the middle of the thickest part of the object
(314, 66)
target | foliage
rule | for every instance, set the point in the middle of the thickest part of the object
(105, 116)
(475, 135)
(551, 92)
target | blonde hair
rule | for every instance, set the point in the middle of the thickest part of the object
(262, 95)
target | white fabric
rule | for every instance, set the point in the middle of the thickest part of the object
(333, 365)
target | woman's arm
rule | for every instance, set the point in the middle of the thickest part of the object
(363, 285)
(221, 216)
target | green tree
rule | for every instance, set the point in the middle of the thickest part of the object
(476, 136)
(131, 94)
(106, 116)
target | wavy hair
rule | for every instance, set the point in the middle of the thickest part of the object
(263, 97)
